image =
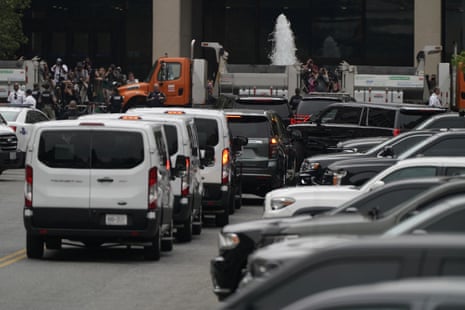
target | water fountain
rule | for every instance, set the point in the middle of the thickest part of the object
(283, 46)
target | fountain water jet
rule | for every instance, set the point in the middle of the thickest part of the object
(283, 50)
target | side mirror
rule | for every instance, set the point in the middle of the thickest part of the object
(207, 155)
(180, 168)
(387, 151)
(376, 185)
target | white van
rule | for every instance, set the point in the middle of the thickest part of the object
(217, 175)
(187, 189)
(80, 186)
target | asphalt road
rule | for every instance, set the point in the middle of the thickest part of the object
(106, 278)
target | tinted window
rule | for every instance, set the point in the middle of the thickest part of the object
(407, 143)
(116, 149)
(457, 306)
(410, 172)
(171, 133)
(408, 119)
(453, 222)
(376, 306)
(279, 106)
(9, 116)
(312, 107)
(381, 117)
(342, 115)
(250, 126)
(454, 171)
(446, 147)
(161, 147)
(331, 274)
(65, 149)
(448, 122)
(207, 130)
(452, 267)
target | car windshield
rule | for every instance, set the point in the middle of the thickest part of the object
(249, 126)
(10, 116)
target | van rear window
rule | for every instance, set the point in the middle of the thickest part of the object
(250, 126)
(207, 130)
(80, 149)
(171, 138)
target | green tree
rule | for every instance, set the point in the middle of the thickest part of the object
(11, 28)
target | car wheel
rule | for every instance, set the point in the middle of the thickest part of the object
(238, 197)
(184, 233)
(167, 241)
(34, 246)
(153, 251)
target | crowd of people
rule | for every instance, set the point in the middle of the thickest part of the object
(317, 79)
(64, 88)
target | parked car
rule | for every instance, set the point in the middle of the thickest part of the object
(431, 293)
(349, 120)
(110, 181)
(387, 206)
(21, 118)
(10, 157)
(354, 262)
(313, 170)
(358, 171)
(360, 145)
(312, 104)
(187, 188)
(268, 161)
(443, 120)
(287, 201)
(219, 182)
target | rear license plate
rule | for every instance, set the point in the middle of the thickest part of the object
(12, 155)
(116, 219)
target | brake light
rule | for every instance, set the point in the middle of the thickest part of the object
(13, 127)
(396, 132)
(225, 166)
(152, 193)
(130, 117)
(28, 191)
(175, 112)
(185, 180)
(273, 147)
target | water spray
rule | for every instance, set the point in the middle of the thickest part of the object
(283, 46)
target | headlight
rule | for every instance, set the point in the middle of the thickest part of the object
(337, 177)
(227, 241)
(261, 267)
(315, 166)
(282, 202)
(307, 165)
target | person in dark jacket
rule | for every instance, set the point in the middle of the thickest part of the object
(156, 98)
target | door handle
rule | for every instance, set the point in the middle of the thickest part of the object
(105, 180)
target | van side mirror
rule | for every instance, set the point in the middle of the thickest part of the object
(387, 151)
(207, 156)
(180, 168)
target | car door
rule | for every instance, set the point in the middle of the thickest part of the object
(23, 131)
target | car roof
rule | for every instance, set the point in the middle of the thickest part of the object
(91, 123)
(249, 111)
(261, 98)
(395, 291)
(396, 106)
(187, 110)
(129, 115)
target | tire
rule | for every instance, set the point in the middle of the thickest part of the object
(238, 197)
(167, 244)
(34, 246)
(153, 252)
(184, 233)
(197, 229)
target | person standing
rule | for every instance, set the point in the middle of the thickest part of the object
(295, 99)
(30, 100)
(434, 100)
(16, 96)
(47, 101)
(156, 98)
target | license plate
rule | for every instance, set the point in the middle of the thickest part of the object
(116, 219)
(12, 155)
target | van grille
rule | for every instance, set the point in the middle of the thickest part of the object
(8, 142)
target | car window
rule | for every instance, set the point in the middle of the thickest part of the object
(455, 171)
(281, 107)
(207, 130)
(330, 274)
(447, 122)
(250, 126)
(452, 267)
(409, 119)
(342, 115)
(116, 149)
(365, 306)
(410, 172)
(405, 144)
(312, 107)
(169, 71)
(378, 117)
(451, 222)
(446, 147)
(171, 133)
(161, 147)
(10, 116)
(451, 306)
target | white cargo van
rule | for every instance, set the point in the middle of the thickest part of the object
(187, 189)
(96, 182)
(217, 175)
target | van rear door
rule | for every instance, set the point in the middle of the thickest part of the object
(119, 175)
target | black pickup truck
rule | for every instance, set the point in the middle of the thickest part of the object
(349, 120)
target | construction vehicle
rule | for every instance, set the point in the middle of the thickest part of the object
(383, 84)
(24, 72)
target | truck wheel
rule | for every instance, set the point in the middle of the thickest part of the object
(34, 246)
(152, 252)
(184, 233)
(222, 219)
(167, 241)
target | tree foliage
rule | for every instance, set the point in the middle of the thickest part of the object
(11, 28)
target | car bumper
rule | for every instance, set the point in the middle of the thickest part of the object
(216, 198)
(182, 208)
(260, 180)
(11, 160)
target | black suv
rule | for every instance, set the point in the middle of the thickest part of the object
(348, 120)
(268, 160)
(278, 104)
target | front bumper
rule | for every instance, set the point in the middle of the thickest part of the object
(11, 160)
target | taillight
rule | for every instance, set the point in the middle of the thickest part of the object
(225, 162)
(28, 191)
(153, 195)
(396, 132)
(185, 180)
(13, 127)
(273, 147)
(293, 121)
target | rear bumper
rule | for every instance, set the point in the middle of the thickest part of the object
(260, 180)
(11, 160)
(82, 224)
(182, 208)
(216, 198)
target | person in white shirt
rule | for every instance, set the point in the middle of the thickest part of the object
(16, 96)
(30, 100)
(434, 100)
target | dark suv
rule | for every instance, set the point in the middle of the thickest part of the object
(348, 120)
(268, 160)
(278, 104)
